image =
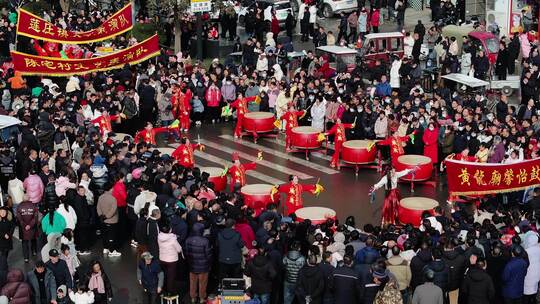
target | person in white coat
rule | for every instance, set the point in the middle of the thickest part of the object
(68, 213)
(312, 19)
(262, 63)
(530, 243)
(394, 73)
(408, 43)
(466, 62)
(318, 111)
(82, 296)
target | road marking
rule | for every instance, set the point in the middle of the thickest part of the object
(225, 163)
(281, 154)
(317, 154)
(263, 162)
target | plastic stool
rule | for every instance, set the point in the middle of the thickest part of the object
(170, 300)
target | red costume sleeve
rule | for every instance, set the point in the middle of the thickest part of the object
(347, 126)
(250, 166)
(385, 142)
(306, 188)
(250, 99)
(234, 104)
(332, 130)
(160, 130)
(113, 117)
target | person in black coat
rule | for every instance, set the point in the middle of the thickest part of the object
(346, 284)
(514, 48)
(304, 25)
(481, 65)
(289, 25)
(59, 269)
(96, 272)
(310, 283)
(418, 262)
(262, 273)
(50, 199)
(230, 246)
(501, 66)
(456, 265)
(147, 102)
(83, 228)
(198, 253)
(327, 271)
(416, 47)
(440, 270)
(477, 287)
(343, 25)
(7, 227)
(496, 261)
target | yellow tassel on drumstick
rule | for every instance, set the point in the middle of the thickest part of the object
(260, 155)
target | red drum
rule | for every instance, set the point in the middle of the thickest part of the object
(359, 152)
(411, 208)
(216, 177)
(259, 122)
(317, 215)
(424, 164)
(305, 138)
(257, 196)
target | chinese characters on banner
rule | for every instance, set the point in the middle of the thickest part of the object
(467, 178)
(35, 27)
(201, 6)
(36, 65)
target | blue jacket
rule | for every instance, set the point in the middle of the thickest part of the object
(513, 278)
(366, 255)
(150, 275)
(383, 89)
(230, 246)
(198, 250)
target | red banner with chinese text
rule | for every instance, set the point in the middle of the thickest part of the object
(35, 27)
(38, 65)
(468, 178)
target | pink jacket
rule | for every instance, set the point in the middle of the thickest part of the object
(62, 184)
(169, 248)
(525, 45)
(34, 188)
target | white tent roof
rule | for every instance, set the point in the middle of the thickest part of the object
(8, 121)
(466, 80)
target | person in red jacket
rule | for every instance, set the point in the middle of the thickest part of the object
(184, 153)
(275, 25)
(240, 104)
(181, 105)
(375, 20)
(238, 172)
(16, 289)
(213, 98)
(431, 140)
(291, 121)
(119, 192)
(148, 134)
(338, 130)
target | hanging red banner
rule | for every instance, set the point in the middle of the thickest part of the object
(468, 178)
(35, 27)
(38, 65)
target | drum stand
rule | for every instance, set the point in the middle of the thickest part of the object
(430, 182)
(374, 165)
(256, 135)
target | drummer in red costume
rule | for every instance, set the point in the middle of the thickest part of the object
(291, 121)
(338, 130)
(148, 134)
(184, 153)
(104, 122)
(181, 105)
(396, 144)
(293, 191)
(238, 172)
(392, 197)
(241, 104)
